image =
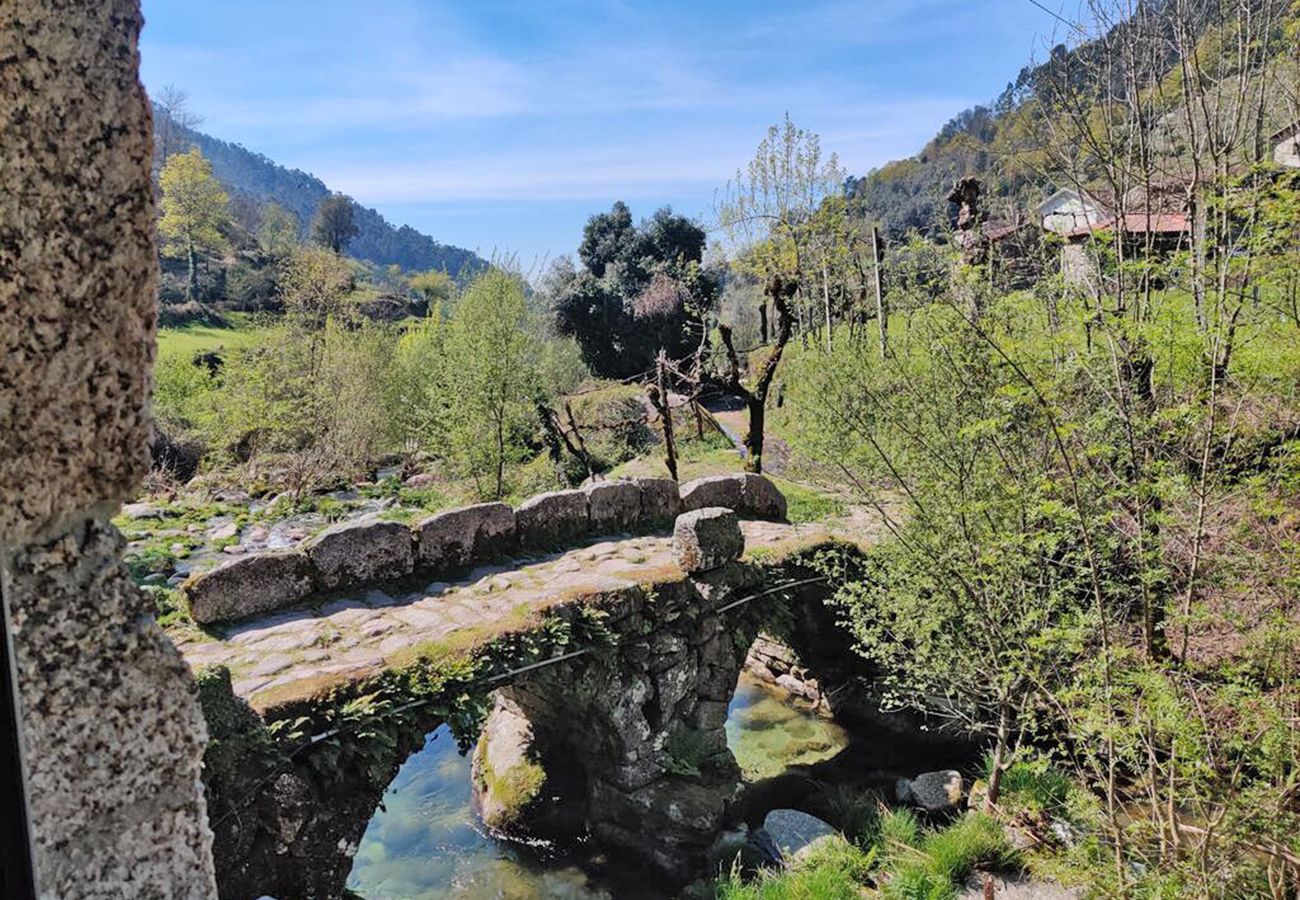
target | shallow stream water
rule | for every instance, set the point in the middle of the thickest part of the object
(425, 844)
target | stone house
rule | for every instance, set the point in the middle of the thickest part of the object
(1286, 146)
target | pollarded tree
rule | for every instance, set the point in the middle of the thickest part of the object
(334, 224)
(490, 359)
(194, 211)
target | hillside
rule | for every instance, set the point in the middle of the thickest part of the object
(254, 180)
(1002, 142)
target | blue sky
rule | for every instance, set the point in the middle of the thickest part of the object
(500, 126)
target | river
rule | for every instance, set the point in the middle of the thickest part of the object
(425, 844)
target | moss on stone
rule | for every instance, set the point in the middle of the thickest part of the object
(508, 794)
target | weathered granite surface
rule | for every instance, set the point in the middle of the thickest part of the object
(252, 584)
(458, 538)
(113, 736)
(553, 519)
(706, 539)
(367, 551)
(613, 506)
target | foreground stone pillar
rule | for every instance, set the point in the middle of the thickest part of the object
(114, 739)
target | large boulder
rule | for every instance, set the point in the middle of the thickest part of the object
(750, 495)
(369, 550)
(613, 506)
(507, 778)
(932, 791)
(661, 499)
(550, 520)
(762, 499)
(707, 539)
(257, 583)
(713, 490)
(459, 538)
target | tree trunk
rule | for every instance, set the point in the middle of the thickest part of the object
(754, 437)
(882, 311)
(762, 322)
(659, 397)
(826, 300)
(192, 284)
(999, 757)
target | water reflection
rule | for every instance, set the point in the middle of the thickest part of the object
(425, 844)
(768, 734)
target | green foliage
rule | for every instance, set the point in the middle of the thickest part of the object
(834, 870)
(805, 504)
(195, 211)
(279, 232)
(643, 289)
(490, 365)
(334, 225)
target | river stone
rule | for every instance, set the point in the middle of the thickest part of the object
(793, 830)
(506, 779)
(458, 538)
(356, 553)
(762, 499)
(251, 584)
(713, 490)
(661, 499)
(932, 791)
(550, 520)
(614, 506)
(706, 539)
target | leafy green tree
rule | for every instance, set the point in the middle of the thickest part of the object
(314, 283)
(490, 360)
(436, 288)
(195, 210)
(643, 288)
(279, 232)
(334, 224)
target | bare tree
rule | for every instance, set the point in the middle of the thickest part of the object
(175, 117)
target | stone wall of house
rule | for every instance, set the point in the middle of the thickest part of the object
(112, 734)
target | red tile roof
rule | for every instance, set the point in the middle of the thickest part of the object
(1140, 223)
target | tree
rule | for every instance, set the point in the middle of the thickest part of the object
(334, 224)
(490, 363)
(194, 211)
(279, 231)
(314, 283)
(436, 288)
(643, 288)
(174, 117)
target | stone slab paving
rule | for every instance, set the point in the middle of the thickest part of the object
(356, 633)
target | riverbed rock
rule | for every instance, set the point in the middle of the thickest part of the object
(459, 538)
(553, 519)
(932, 791)
(506, 779)
(793, 830)
(707, 539)
(613, 506)
(361, 552)
(661, 499)
(248, 585)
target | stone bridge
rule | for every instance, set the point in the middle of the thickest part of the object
(605, 669)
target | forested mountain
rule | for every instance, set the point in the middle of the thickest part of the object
(1003, 142)
(254, 180)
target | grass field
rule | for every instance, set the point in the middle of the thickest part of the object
(243, 331)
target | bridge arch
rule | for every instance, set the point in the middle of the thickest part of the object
(617, 692)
